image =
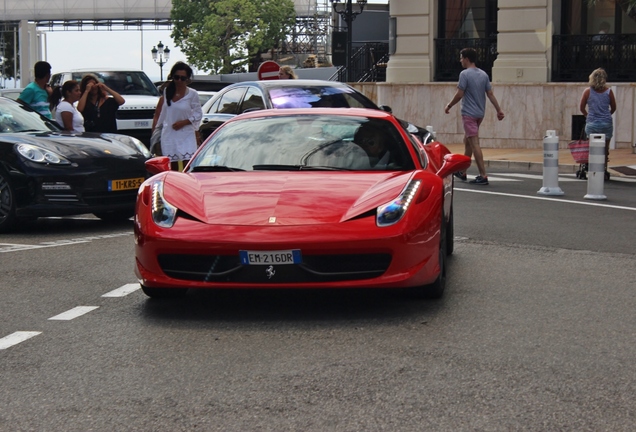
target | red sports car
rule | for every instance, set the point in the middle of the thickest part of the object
(300, 198)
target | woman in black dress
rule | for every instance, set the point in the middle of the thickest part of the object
(98, 105)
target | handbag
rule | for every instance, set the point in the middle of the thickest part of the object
(155, 140)
(580, 149)
(155, 137)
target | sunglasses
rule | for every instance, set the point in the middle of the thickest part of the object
(180, 77)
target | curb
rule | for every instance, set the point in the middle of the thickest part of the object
(537, 167)
(529, 166)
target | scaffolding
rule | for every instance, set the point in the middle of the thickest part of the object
(310, 35)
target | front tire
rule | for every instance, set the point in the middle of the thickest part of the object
(7, 202)
(436, 289)
(450, 234)
(164, 292)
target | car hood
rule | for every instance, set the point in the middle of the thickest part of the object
(296, 198)
(73, 146)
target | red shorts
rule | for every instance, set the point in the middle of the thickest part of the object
(471, 126)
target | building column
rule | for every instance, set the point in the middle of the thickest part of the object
(411, 62)
(524, 41)
(30, 51)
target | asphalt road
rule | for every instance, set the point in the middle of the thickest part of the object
(536, 332)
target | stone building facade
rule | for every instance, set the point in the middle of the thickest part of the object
(527, 74)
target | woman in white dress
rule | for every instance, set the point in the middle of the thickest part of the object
(66, 114)
(179, 114)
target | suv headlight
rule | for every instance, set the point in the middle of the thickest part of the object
(40, 155)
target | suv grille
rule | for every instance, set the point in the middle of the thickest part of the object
(135, 114)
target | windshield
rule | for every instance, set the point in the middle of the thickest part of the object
(305, 142)
(315, 96)
(15, 117)
(124, 83)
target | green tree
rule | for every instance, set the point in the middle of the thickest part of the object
(222, 35)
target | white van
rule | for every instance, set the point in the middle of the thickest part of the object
(134, 118)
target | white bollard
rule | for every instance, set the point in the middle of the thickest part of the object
(596, 168)
(550, 165)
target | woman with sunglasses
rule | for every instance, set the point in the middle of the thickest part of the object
(179, 115)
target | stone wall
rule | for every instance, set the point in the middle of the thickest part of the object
(530, 110)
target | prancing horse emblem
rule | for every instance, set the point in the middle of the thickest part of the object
(270, 272)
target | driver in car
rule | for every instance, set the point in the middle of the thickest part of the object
(371, 140)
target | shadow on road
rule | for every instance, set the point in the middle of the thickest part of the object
(349, 307)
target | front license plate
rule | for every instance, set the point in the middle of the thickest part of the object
(292, 256)
(125, 184)
(142, 124)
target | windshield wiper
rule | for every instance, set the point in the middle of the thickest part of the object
(214, 168)
(274, 167)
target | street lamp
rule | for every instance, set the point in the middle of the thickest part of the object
(348, 15)
(160, 55)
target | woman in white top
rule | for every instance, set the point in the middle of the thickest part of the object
(179, 113)
(65, 112)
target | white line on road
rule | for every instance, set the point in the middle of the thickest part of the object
(13, 247)
(16, 338)
(123, 290)
(594, 204)
(73, 313)
(536, 177)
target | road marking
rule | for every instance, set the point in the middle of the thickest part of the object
(565, 177)
(501, 179)
(537, 177)
(16, 337)
(15, 247)
(73, 313)
(594, 204)
(123, 290)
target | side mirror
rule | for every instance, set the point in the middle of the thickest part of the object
(453, 163)
(158, 164)
(386, 108)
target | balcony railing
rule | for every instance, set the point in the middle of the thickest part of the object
(574, 57)
(447, 65)
(368, 63)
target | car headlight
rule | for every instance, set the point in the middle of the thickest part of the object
(40, 155)
(164, 214)
(131, 142)
(391, 212)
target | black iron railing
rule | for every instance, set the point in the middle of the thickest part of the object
(368, 63)
(574, 57)
(447, 65)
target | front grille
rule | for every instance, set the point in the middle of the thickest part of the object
(315, 268)
(61, 197)
(135, 114)
(98, 199)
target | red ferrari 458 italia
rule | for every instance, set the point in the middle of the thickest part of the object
(300, 198)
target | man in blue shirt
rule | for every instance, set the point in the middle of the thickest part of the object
(37, 93)
(472, 90)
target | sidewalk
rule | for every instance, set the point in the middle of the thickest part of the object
(622, 162)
